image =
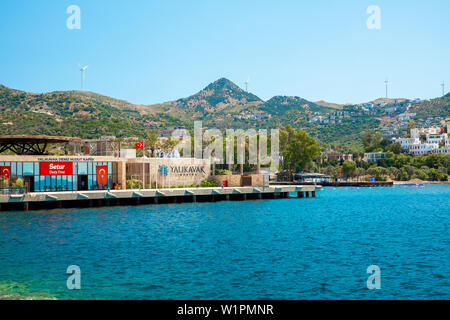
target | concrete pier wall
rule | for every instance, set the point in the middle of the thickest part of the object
(41, 200)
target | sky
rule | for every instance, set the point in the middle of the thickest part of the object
(151, 51)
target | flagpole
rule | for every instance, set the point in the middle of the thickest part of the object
(143, 165)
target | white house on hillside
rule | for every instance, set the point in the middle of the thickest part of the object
(433, 139)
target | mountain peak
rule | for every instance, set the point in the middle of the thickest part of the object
(223, 83)
(217, 96)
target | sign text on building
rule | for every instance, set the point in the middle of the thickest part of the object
(56, 168)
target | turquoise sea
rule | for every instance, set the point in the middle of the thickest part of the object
(268, 249)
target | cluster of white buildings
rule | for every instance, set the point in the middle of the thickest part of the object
(334, 117)
(434, 140)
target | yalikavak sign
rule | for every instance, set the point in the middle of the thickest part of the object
(181, 170)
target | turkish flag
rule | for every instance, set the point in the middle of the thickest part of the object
(5, 172)
(139, 145)
(102, 174)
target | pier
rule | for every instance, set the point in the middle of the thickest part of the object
(72, 199)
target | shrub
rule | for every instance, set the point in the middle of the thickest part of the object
(208, 183)
(18, 183)
(223, 172)
(402, 175)
(434, 174)
(3, 182)
(134, 184)
(421, 174)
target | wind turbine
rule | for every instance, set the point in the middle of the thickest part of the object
(386, 83)
(82, 69)
(443, 88)
(246, 84)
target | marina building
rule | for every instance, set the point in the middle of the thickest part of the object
(89, 165)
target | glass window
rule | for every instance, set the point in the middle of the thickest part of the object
(47, 183)
(28, 168)
(89, 167)
(82, 168)
(14, 169)
(42, 183)
(69, 183)
(36, 168)
(36, 183)
(64, 183)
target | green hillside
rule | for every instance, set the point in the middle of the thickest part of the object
(438, 107)
(222, 104)
(65, 113)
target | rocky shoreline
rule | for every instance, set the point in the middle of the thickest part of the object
(418, 181)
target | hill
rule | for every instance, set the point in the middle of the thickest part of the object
(81, 114)
(386, 101)
(329, 104)
(221, 104)
(217, 96)
(438, 107)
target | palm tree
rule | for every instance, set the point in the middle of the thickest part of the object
(151, 141)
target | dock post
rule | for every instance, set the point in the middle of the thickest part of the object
(194, 198)
(307, 194)
(25, 206)
(228, 197)
(260, 196)
(155, 200)
(313, 194)
(300, 194)
(244, 196)
(287, 195)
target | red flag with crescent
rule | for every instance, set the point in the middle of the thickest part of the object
(139, 145)
(102, 174)
(5, 172)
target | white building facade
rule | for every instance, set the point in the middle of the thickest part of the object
(434, 140)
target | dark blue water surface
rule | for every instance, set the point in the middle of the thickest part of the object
(269, 249)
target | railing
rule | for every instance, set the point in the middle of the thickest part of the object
(12, 190)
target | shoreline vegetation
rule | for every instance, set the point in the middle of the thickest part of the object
(10, 290)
